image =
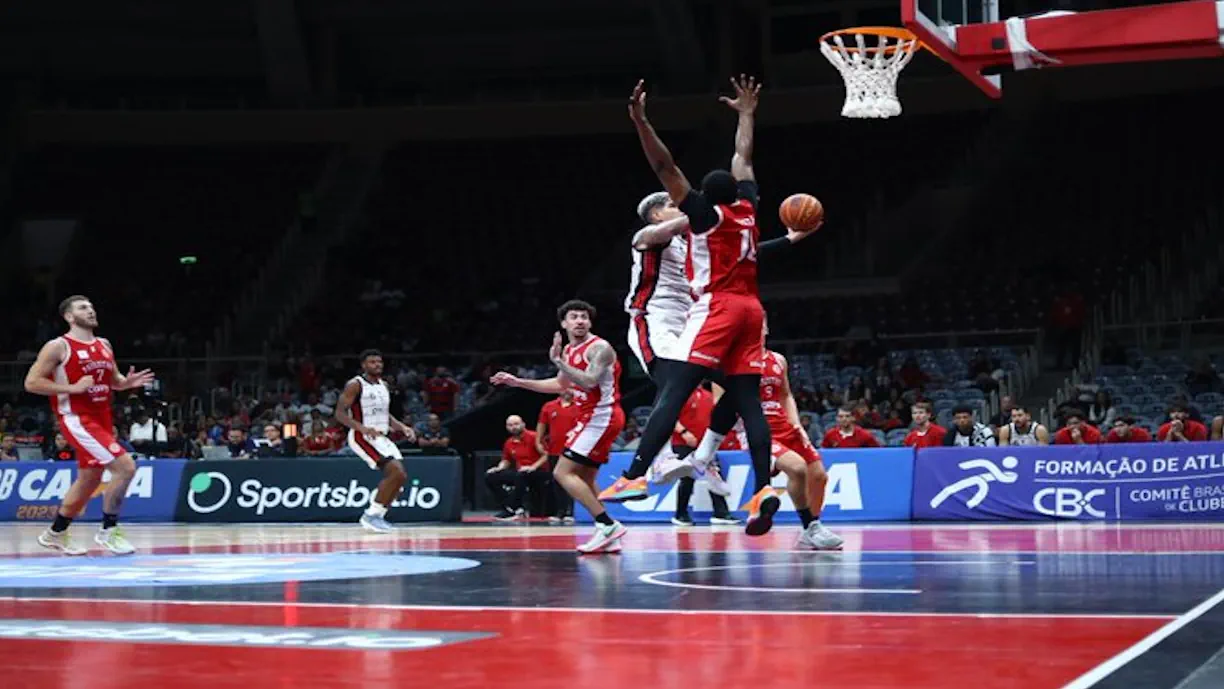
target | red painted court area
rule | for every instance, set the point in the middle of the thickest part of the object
(539, 649)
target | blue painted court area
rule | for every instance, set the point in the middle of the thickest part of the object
(215, 570)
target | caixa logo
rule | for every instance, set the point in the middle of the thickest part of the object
(1068, 502)
(52, 484)
(843, 492)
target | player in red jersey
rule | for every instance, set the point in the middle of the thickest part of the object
(77, 371)
(1125, 431)
(1181, 428)
(723, 330)
(847, 433)
(588, 367)
(925, 433)
(556, 419)
(793, 454)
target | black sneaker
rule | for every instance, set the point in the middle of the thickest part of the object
(682, 520)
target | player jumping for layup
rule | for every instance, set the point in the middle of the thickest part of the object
(588, 366)
(77, 371)
(723, 329)
(365, 408)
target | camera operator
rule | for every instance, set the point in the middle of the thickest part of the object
(147, 434)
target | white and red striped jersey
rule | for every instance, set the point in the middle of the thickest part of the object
(658, 283)
(606, 392)
(82, 359)
(372, 408)
(724, 259)
(773, 380)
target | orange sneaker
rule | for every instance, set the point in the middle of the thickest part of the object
(761, 509)
(625, 489)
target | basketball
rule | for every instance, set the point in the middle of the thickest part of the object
(801, 212)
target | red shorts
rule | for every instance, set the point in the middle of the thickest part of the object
(792, 440)
(92, 438)
(592, 436)
(724, 332)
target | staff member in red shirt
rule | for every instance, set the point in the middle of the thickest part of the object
(924, 433)
(1181, 428)
(1077, 431)
(522, 465)
(1125, 431)
(556, 419)
(690, 427)
(847, 433)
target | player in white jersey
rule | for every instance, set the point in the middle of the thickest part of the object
(1023, 430)
(365, 408)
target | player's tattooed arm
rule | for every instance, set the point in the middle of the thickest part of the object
(747, 92)
(660, 159)
(599, 357)
(661, 233)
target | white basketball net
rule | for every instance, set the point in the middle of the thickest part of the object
(870, 73)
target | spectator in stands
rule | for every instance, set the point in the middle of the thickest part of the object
(881, 378)
(147, 435)
(1102, 413)
(61, 451)
(810, 425)
(1181, 401)
(1067, 315)
(435, 437)
(865, 416)
(911, 375)
(847, 433)
(1077, 431)
(1202, 378)
(441, 391)
(966, 431)
(1004, 417)
(1181, 428)
(176, 446)
(272, 444)
(1022, 430)
(1217, 428)
(239, 446)
(318, 442)
(522, 466)
(925, 433)
(855, 391)
(315, 419)
(1125, 431)
(8, 448)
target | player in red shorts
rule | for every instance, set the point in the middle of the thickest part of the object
(587, 366)
(77, 371)
(723, 329)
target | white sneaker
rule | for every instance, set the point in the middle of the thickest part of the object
(554, 519)
(60, 541)
(817, 537)
(701, 462)
(113, 540)
(670, 469)
(725, 521)
(376, 524)
(604, 536)
(715, 482)
(613, 547)
(568, 519)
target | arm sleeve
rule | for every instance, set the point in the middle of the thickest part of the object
(749, 191)
(772, 246)
(702, 216)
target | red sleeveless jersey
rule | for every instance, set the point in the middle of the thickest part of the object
(773, 377)
(85, 359)
(724, 260)
(607, 389)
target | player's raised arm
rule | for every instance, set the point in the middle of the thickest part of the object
(747, 92)
(39, 378)
(601, 357)
(660, 233)
(660, 159)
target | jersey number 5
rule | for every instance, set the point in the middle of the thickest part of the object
(748, 250)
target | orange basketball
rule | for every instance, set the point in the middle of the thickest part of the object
(801, 212)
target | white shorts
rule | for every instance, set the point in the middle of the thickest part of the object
(374, 451)
(654, 335)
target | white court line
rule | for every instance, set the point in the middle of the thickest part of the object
(1145, 644)
(650, 578)
(597, 611)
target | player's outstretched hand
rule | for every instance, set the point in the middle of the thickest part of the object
(554, 352)
(637, 102)
(795, 235)
(503, 378)
(137, 379)
(85, 383)
(747, 92)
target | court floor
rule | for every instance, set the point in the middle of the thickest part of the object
(916, 606)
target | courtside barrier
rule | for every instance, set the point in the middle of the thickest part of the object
(1141, 481)
(315, 490)
(34, 490)
(864, 485)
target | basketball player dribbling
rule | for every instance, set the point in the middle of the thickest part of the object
(77, 371)
(587, 365)
(365, 409)
(723, 328)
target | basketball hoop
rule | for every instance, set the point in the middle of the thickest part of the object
(870, 71)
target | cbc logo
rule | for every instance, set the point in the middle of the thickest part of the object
(1067, 502)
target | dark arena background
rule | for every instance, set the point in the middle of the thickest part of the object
(250, 193)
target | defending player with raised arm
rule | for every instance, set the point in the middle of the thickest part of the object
(588, 366)
(77, 371)
(365, 409)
